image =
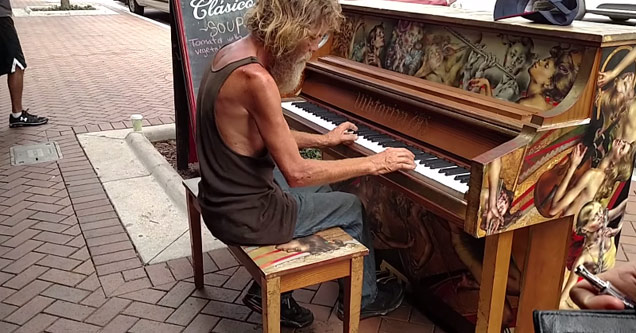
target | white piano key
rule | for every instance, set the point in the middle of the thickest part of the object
(434, 174)
(311, 117)
(427, 172)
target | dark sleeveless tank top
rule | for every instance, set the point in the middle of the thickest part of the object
(240, 202)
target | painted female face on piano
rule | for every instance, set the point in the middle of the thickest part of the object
(378, 38)
(620, 148)
(625, 85)
(503, 203)
(542, 72)
(593, 217)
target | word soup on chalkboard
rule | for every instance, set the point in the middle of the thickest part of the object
(204, 27)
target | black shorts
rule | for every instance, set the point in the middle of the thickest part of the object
(11, 56)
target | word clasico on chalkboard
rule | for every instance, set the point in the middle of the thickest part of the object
(203, 8)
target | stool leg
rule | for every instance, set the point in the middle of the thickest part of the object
(270, 293)
(194, 220)
(353, 295)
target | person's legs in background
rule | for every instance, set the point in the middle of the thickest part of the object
(13, 64)
(15, 81)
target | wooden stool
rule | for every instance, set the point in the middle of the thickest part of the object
(278, 269)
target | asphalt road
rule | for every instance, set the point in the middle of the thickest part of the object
(162, 18)
(151, 14)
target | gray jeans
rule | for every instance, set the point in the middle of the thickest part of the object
(320, 208)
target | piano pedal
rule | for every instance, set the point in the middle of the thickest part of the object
(387, 268)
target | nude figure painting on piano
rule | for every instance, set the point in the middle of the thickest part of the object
(580, 171)
(531, 72)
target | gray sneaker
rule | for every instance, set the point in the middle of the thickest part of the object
(390, 296)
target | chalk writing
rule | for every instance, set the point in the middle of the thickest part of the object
(204, 8)
(216, 28)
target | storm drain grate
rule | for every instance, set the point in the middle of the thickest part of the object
(32, 154)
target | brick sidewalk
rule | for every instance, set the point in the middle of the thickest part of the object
(66, 262)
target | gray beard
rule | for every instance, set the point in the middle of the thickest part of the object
(287, 73)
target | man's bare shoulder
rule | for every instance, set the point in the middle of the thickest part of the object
(257, 85)
(255, 76)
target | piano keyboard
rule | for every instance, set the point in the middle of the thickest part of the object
(428, 165)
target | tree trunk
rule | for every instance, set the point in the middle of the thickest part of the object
(65, 4)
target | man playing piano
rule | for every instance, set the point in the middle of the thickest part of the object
(242, 136)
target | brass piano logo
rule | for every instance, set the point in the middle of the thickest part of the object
(371, 105)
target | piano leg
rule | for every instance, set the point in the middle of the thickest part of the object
(492, 292)
(543, 273)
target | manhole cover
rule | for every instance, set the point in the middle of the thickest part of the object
(31, 154)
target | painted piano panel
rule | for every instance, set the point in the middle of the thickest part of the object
(529, 71)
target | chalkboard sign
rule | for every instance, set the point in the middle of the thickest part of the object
(204, 26)
(199, 29)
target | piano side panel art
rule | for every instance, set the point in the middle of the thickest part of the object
(531, 72)
(430, 251)
(581, 171)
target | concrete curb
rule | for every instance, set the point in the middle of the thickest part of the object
(160, 132)
(159, 168)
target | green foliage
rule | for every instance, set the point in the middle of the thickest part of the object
(311, 153)
(70, 7)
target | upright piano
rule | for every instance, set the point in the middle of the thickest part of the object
(516, 127)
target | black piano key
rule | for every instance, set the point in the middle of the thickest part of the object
(440, 164)
(424, 156)
(461, 178)
(393, 144)
(454, 171)
(429, 161)
(413, 150)
(464, 179)
(384, 140)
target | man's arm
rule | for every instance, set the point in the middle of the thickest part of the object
(308, 140)
(343, 134)
(264, 107)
